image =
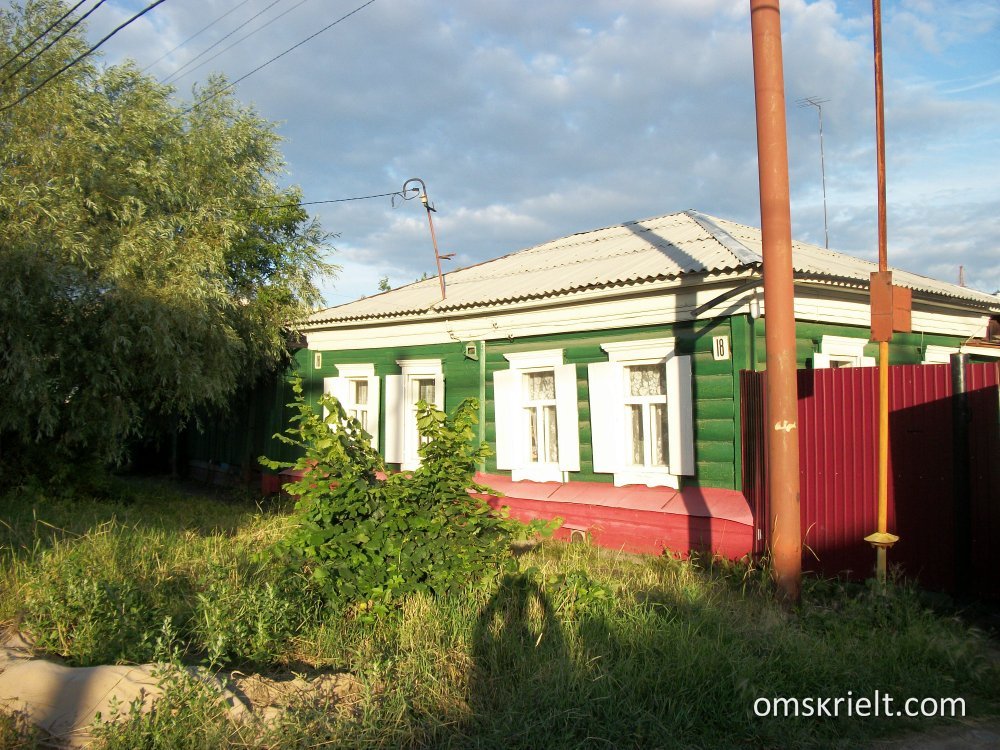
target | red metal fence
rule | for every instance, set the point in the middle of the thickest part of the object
(838, 437)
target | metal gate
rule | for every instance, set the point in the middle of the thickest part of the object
(838, 434)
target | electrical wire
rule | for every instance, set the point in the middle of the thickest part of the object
(77, 59)
(205, 51)
(196, 34)
(59, 36)
(37, 38)
(176, 77)
(225, 88)
(393, 194)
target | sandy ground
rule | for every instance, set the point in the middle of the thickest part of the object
(64, 701)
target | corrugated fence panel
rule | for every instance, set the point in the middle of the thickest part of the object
(838, 443)
(837, 448)
(983, 382)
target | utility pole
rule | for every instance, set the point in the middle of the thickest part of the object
(430, 222)
(776, 235)
(890, 309)
(812, 101)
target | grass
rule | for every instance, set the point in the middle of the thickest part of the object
(583, 648)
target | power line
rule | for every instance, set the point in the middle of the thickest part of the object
(33, 41)
(59, 36)
(238, 41)
(333, 200)
(198, 33)
(225, 88)
(205, 51)
(73, 62)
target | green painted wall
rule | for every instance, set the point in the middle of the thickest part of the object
(713, 382)
(904, 349)
(248, 428)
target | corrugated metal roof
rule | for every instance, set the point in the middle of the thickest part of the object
(817, 262)
(635, 253)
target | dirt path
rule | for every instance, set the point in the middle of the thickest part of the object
(64, 701)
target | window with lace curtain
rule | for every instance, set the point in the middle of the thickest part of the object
(641, 413)
(540, 416)
(645, 406)
(536, 417)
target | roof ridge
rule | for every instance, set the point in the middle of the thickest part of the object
(740, 251)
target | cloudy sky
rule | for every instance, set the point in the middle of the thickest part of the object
(532, 120)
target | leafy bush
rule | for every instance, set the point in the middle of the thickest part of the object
(367, 539)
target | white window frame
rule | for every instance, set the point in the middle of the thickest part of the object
(401, 435)
(342, 388)
(941, 355)
(611, 432)
(938, 355)
(842, 350)
(512, 420)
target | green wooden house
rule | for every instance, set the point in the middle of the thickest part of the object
(607, 364)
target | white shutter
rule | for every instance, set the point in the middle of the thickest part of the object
(680, 422)
(868, 362)
(606, 405)
(567, 418)
(821, 361)
(507, 413)
(339, 388)
(395, 405)
(373, 405)
(439, 391)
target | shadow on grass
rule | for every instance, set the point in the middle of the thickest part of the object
(522, 669)
(36, 517)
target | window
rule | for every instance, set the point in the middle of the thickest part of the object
(640, 413)
(539, 398)
(841, 351)
(420, 380)
(938, 355)
(357, 389)
(357, 400)
(646, 414)
(536, 417)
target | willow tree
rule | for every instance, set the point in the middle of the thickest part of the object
(150, 261)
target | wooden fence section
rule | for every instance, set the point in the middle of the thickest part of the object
(838, 437)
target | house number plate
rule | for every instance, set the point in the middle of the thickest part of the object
(720, 347)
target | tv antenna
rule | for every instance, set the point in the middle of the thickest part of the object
(812, 101)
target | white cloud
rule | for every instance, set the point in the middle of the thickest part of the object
(529, 121)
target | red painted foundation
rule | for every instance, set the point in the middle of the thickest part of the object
(647, 520)
(634, 519)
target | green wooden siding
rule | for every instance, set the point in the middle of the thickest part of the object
(246, 431)
(904, 349)
(715, 432)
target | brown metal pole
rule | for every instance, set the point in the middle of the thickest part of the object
(779, 315)
(437, 255)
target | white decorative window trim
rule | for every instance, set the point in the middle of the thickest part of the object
(535, 360)
(402, 438)
(366, 370)
(938, 355)
(510, 444)
(607, 407)
(980, 351)
(340, 388)
(647, 351)
(844, 350)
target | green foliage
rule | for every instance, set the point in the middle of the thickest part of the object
(190, 714)
(150, 259)
(368, 540)
(586, 647)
